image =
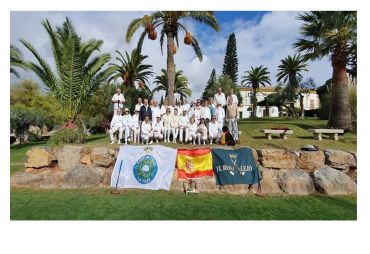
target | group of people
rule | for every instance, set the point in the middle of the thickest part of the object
(197, 123)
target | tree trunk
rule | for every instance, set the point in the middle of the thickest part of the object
(301, 103)
(254, 103)
(170, 68)
(340, 111)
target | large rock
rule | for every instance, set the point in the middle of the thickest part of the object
(107, 176)
(53, 180)
(26, 179)
(101, 156)
(333, 182)
(296, 181)
(277, 158)
(82, 177)
(69, 156)
(310, 160)
(340, 159)
(269, 182)
(39, 157)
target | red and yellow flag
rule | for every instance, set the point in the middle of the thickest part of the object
(194, 163)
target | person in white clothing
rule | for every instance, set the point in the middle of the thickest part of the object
(233, 97)
(220, 114)
(220, 98)
(126, 122)
(184, 121)
(157, 129)
(156, 111)
(135, 127)
(206, 114)
(191, 131)
(174, 122)
(214, 129)
(139, 104)
(118, 99)
(116, 125)
(198, 112)
(146, 131)
(202, 132)
(164, 107)
(166, 119)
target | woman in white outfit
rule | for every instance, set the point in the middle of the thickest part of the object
(202, 132)
(157, 129)
(214, 129)
(174, 123)
(166, 119)
(116, 125)
(191, 130)
(220, 114)
(146, 131)
(135, 127)
(184, 121)
(126, 122)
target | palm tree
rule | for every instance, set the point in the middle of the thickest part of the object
(169, 23)
(16, 59)
(132, 69)
(255, 77)
(327, 33)
(78, 75)
(290, 72)
(181, 84)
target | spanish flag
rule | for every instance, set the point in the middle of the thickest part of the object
(194, 163)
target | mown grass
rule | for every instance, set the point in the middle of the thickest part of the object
(250, 137)
(99, 204)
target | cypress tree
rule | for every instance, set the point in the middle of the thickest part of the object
(230, 67)
(210, 86)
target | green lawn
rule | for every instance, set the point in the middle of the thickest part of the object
(250, 137)
(99, 204)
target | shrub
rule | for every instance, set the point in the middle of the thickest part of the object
(67, 136)
(312, 113)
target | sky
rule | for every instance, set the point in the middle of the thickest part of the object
(263, 38)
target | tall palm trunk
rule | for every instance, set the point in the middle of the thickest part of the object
(170, 68)
(340, 111)
(301, 97)
(254, 103)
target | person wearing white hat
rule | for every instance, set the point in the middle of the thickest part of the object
(174, 122)
(146, 131)
(135, 127)
(116, 125)
(166, 118)
(183, 122)
(191, 131)
(126, 122)
(157, 129)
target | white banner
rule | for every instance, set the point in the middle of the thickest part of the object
(144, 167)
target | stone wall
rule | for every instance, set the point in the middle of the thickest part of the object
(331, 172)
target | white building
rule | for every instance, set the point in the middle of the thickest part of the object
(310, 101)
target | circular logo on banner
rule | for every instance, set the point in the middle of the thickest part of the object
(145, 169)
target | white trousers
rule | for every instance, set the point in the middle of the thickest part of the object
(145, 136)
(113, 130)
(175, 132)
(233, 128)
(136, 132)
(190, 136)
(201, 137)
(213, 136)
(181, 133)
(126, 128)
(157, 135)
(167, 133)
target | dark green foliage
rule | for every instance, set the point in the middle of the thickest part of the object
(21, 118)
(231, 59)
(210, 87)
(324, 93)
(67, 136)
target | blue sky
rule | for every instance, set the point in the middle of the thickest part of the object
(263, 38)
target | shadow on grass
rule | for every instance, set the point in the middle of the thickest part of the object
(27, 145)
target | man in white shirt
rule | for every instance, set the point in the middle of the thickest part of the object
(198, 112)
(118, 99)
(146, 131)
(164, 107)
(157, 129)
(184, 121)
(233, 97)
(126, 122)
(156, 111)
(220, 97)
(116, 125)
(206, 112)
(175, 119)
(166, 118)
(139, 104)
(214, 129)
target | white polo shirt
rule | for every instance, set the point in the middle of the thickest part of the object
(119, 97)
(220, 99)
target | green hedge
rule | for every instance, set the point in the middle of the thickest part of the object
(68, 136)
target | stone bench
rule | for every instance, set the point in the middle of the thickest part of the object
(282, 133)
(333, 133)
